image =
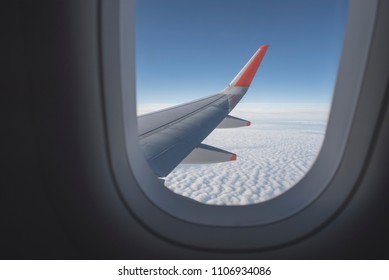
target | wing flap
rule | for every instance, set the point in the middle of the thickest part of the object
(207, 154)
(233, 122)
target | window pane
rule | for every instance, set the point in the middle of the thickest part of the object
(191, 49)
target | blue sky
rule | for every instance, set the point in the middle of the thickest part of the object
(189, 49)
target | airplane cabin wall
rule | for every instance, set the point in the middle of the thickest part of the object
(57, 198)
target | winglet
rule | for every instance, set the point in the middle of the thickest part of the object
(246, 75)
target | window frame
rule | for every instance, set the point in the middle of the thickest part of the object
(307, 206)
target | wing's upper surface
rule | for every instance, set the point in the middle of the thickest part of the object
(174, 135)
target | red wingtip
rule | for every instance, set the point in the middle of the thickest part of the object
(247, 77)
(233, 157)
(248, 123)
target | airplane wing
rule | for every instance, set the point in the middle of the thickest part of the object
(172, 136)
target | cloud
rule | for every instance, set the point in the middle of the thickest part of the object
(274, 153)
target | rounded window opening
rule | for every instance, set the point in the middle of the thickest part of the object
(189, 50)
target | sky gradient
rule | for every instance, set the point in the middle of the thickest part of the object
(189, 49)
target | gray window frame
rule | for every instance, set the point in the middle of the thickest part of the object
(313, 201)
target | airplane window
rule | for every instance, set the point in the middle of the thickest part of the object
(191, 53)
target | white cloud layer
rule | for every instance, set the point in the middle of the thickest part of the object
(274, 153)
